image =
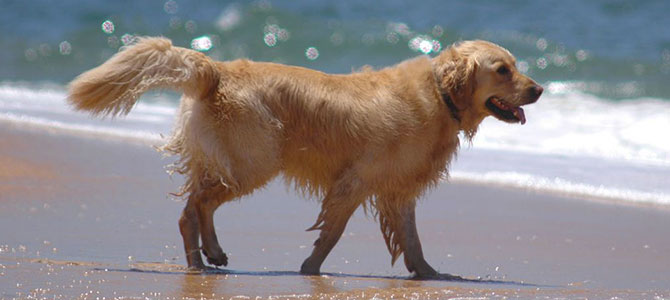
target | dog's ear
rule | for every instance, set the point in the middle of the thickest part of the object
(456, 73)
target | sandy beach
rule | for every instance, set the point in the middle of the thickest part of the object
(575, 204)
(91, 218)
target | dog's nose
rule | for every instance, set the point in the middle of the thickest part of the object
(534, 92)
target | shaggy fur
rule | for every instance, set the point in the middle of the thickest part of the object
(374, 138)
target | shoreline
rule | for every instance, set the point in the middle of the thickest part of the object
(79, 206)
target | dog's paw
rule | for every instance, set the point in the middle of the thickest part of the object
(449, 277)
(308, 268)
(196, 269)
(205, 270)
(218, 258)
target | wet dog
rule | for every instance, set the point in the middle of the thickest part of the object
(376, 138)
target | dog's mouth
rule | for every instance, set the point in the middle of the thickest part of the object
(504, 111)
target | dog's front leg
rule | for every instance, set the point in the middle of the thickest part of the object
(414, 260)
(398, 225)
(411, 245)
(337, 207)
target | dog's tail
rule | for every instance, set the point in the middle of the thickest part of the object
(113, 87)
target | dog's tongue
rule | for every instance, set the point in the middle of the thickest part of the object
(520, 115)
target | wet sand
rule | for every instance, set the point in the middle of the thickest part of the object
(91, 218)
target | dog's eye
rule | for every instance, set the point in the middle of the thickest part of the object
(503, 70)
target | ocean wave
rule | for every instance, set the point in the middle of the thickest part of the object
(564, 187)
(83, 130)
(563, 122)
(44, 106)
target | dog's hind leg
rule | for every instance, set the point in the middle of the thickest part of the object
(190, 232)
(339, 204)
(196, 222)
(208, 201)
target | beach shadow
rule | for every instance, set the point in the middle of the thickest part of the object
(218, 271)
(442, 277)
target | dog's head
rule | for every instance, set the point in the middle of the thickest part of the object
(482, 80)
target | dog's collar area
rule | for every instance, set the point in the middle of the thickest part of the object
(452, 107)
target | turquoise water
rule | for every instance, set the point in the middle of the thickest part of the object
(600, 130)
(615, 49)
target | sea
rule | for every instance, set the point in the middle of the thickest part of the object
(601, 131)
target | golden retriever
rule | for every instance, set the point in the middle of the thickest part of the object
(374, 138)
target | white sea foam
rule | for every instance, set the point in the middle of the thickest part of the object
(83, 129)
(46, 108)
(573, 143)
(563, 186)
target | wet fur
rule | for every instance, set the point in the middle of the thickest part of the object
(374, 138)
